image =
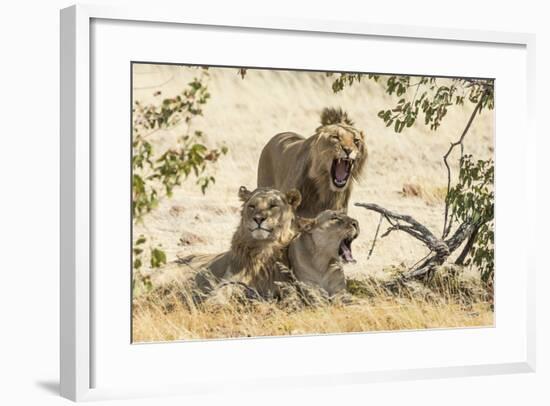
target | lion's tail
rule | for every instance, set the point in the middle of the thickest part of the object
(331, 115)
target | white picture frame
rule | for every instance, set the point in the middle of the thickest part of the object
(76, 281)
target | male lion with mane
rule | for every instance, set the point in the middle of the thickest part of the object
(322, 167)
(267, 225)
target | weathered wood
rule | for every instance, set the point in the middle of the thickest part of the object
(440, 249)
(376, 235)
(469, 244)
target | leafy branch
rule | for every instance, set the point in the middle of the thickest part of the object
(472, 199)
(347, 79)
(155, 176)
(421, 95)
(447, 223)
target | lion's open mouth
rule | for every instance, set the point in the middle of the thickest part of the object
(345, 250)
(340, 171)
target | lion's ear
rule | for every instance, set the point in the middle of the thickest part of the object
(294, 197)
(304, 224)
(244, 193)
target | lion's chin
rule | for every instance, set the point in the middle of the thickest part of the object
(260, 234)
(335, 188)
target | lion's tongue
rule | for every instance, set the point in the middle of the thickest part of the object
(346, 252)
(341, 170)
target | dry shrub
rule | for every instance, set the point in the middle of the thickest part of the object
(461, 284)
(449, 283)
(429, 193)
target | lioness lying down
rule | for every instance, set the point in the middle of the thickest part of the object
(316, 255)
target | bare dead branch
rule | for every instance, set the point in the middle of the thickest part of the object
(414, 228)
(440, 249)
(375, 235)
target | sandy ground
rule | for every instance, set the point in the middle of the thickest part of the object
(245, 114)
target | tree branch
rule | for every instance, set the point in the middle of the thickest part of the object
(469, 244)
(446, 222)
(440, 249)
(375, 235)
(415, 229)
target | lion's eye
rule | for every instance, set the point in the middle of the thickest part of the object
(251, 207)
(273, 206)
(357, 142)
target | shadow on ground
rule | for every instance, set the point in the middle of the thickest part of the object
(51, 387)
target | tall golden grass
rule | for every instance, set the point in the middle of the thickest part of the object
(453, 298)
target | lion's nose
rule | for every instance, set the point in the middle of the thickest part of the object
(259, 219)
(347, 151)
(355, 224)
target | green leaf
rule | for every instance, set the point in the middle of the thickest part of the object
(158, 258)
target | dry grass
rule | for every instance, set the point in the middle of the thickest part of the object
(453, 299)
(265, 319)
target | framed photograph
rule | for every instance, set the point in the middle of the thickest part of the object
(258, 203)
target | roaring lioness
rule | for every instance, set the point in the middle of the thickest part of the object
(317, 254)
(267, 225)
(322, 167)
